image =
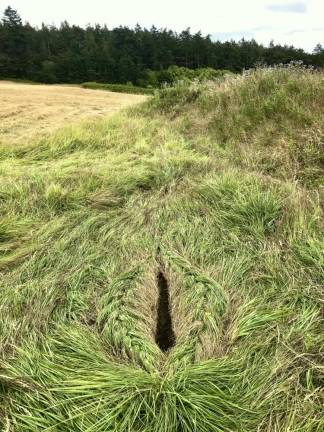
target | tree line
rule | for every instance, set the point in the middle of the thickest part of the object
(72, 54)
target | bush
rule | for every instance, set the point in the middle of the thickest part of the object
(119, 88)
(174, 74)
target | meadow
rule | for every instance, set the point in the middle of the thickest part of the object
(162, 269)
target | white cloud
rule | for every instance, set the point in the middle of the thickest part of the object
(293, 22)
(297, 7)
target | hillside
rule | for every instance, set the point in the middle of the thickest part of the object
(162, 269)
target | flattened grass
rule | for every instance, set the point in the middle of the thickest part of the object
(88, 217)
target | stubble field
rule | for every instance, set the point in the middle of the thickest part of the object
(29, 111)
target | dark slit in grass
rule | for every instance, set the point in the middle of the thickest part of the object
(164, 335)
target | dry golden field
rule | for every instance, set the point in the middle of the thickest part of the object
(28, 111)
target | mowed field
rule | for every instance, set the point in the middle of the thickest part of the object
(28, 111)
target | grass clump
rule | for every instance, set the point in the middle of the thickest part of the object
(210, 186)
(123, 324)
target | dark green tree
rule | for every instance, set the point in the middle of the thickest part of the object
(120, 55)
(11, 17)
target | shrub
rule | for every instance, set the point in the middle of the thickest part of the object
(119, 88)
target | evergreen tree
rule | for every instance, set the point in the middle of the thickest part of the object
(141, 56)
(11, 18)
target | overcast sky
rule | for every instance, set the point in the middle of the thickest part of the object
(300, 23)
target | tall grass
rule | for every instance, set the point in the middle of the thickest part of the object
(212, 184)
(268, 120)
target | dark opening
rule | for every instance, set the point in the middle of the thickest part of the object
(164, 335)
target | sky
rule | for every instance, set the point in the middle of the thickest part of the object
(298, 23)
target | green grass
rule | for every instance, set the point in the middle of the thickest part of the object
(219, 185)
(119, 88)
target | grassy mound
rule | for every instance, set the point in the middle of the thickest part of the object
(268, 120)
(217, 187)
